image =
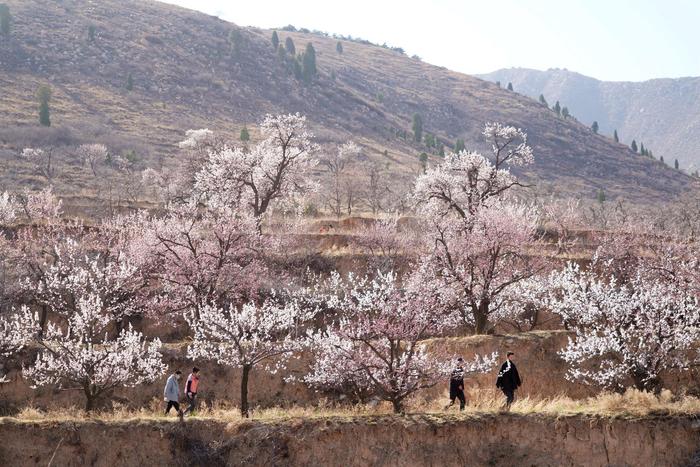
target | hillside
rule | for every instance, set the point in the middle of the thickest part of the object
(186, 74)
(662, 113)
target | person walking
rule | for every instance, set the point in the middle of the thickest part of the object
(171, 393)
(457, 385)
(191, 391)
(508, 379)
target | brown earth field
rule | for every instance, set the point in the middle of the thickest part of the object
(542, 370)
(412, 440)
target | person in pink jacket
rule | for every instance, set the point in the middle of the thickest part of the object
(191, 390)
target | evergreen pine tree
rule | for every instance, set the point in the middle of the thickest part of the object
(289, 45)
(601, 196)
(5, 19)
(459, 146)
(235, 38)
(339, 47)
(510, 86)
(594, 127)
(245, 136)
(615, 137)
(557, 108)
(633, 146)
(662, 159)
(129, 82)
(642, 151)
(43, 94)
(675, 164)
(565, 112)
(309, 63)
(296, 68)
(275, 40)
(423, 158)
(91, 33)
(498, 83)
(417, 128)
(543, 101)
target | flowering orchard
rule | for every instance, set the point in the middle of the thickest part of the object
(79, 298)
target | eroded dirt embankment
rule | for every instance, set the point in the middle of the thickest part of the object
(497, 440)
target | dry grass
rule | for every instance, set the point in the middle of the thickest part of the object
(633, 403)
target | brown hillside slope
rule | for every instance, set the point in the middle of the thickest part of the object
(185, 75)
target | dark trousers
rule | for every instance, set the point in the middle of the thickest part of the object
(510, 395)
(172, 404)
(458, 394)
(192, 401)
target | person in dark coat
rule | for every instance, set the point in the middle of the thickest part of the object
(508, 379)
(457, 385)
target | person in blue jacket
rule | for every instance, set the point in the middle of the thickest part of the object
(171, 393)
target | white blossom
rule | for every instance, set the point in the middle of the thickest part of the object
(625, 332)
(196, 138)
(83, 355)
(17, 330)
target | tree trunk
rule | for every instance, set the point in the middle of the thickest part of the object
(642, 382)
(42, 319)
(89, 402)
(397, 405)
(244, 390)
(481, 317)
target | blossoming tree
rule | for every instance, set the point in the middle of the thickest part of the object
(482, 263)
(478, 237)
(274, 170)
(625, 333)
(376, 345)
(246, 337)
(199, 258)
(467, 181)
(83, 356)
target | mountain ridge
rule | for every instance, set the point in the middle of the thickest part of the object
(663, 113)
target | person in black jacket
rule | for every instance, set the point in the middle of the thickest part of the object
(508, 379)
(457, 385)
